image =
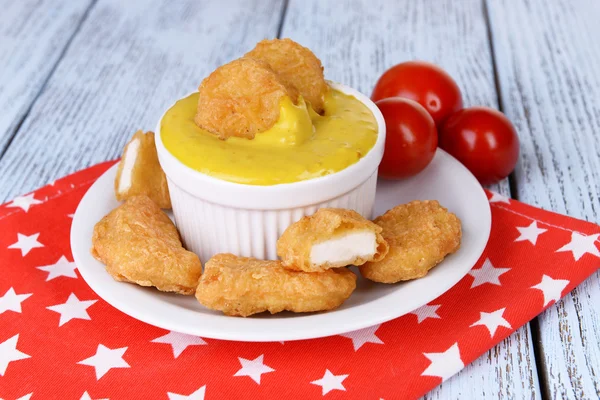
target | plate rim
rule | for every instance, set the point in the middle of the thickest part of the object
(267, 334)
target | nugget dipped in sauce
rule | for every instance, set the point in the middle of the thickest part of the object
(241, 99)
(254, 122)
(297, 66)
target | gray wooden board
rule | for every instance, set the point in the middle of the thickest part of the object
(128, 62)
(548, 59)
(368, 37)
(33, 35)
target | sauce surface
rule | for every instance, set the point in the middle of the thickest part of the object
(301, 145)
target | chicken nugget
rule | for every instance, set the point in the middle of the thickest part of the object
(331, 238)
(140, 173)
(420, 234)
(138, 243)
(297, 66)
(241, 99)
(243, 286)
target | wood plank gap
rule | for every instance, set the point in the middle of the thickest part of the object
(512, 185)
(534, 324)
(512, 182)
(540, 364)
(488, 25)
(18, 125)
(282, 20)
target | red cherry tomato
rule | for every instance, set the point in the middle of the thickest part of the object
(425, 83)
(484, 140)
(411, 138)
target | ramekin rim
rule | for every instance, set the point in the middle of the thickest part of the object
(304, 184)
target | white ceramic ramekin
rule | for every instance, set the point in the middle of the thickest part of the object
(216, 216)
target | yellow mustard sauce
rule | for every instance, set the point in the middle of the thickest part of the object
(301, 145)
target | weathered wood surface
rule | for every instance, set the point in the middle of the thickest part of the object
(128, 62)
(367, 38)
(33, 35)
(548, 58)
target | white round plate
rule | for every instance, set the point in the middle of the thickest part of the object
(445, 180)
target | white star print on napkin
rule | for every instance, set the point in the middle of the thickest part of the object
(444, 364)
(106, 359)
(197, 395)
(179, 341)
(498, 198)
(551, 288)
(24, 202)
(86, 396)
(11, 301)
(26, 397)
(26, 243)
(330, 382)
(487, 274)
(492, 321)
(253, 368)
(362, 336)
(530, 233)
(426, 311)
(73, 308)
(62, 267)
(580, 245)
(9, 353)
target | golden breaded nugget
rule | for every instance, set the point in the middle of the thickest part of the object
(138, 243)
(331, 238)
(420, 234)
(139, 172)
(241, 99)
(244, 286)
(297, 66)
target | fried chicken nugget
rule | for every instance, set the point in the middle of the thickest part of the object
(140, 173)
(420, 234)
(138, 243)
(241, 99)
(243, 286)
(297, 66)
(331, 238)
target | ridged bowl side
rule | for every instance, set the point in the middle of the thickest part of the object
(207, 228)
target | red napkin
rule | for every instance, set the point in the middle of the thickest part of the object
(59, 340)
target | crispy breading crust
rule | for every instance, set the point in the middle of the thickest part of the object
(147, 177)
(241, 99)
(420, 235)
(243, 286)
(294, 245)
(297, 66)
(138, 243)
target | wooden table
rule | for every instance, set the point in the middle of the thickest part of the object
(77, 78)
